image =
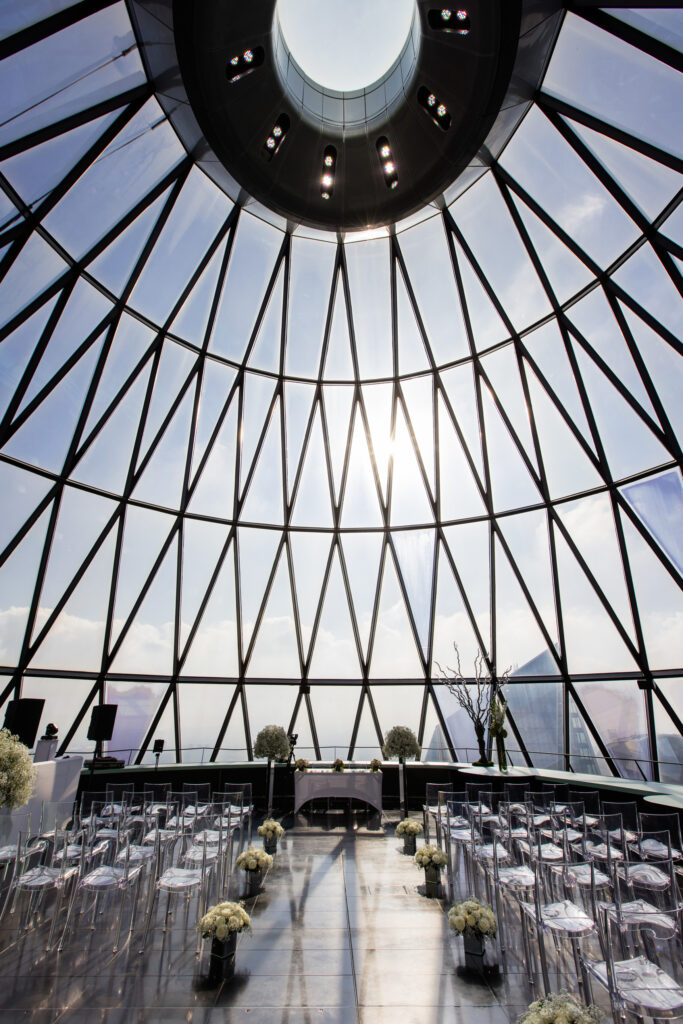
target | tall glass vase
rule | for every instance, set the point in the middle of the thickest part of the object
(500, 750)
(222, 959)
(432, 881)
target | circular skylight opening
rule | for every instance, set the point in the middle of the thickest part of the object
(345, 46)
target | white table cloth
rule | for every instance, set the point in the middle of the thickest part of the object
(350, 784)
(55, 789)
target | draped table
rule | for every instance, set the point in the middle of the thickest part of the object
(351, 784)
(53, 795)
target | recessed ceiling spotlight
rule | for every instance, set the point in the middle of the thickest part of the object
(434, 108)
(278, 134)
(243, 63)
(448, 20)
(388, 163)
(329, 168)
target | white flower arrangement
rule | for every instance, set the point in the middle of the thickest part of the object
(472, 917)
(401, 742)
(272, 743)
(430, 857)
(17, 773)
(338, 765)
(375, 765)
(560, 1008)
(271, 829)
(254, 859)
(222, 919)
(408, 827)
(301, 764)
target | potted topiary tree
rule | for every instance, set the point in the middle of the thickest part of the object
(272, 743)
(401, 742)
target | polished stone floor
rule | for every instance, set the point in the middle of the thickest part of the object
(342, 933)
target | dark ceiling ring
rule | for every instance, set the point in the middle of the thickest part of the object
(460, 86)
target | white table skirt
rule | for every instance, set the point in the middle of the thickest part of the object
(349, 784)
(54, 792)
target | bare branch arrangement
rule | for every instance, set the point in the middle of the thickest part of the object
(476, 697)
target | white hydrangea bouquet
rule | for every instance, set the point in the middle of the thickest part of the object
(254, 859)
(271, 829)
(560, 1008)
(430, 857)
(17, 773)
(473, 917)
(219, 921)
(408, 827)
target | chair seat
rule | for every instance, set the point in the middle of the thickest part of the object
(598, 851)
(619, 835)
(517, 877)
(210, 836)
(641, 985)
(646, 875)
(136, 854)
(197, 854)
(164, 835)
(641, 914)
(548, 851)
(582, 875)
(45, 878)
(564, 918)
(572, 834)
(227, 822)
(110, 877)
(488, 851)
(657, 851)
(461, 835)
(180, 879)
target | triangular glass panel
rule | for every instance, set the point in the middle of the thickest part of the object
(137, 704)
(192, 318)
(36, 171)
(378, 401)
(658, 502)
(214, 650)
(76, 640)
(263, 498)
(567, 467)
(165, 729)
(16, 350)
(462, 394)
(412, 357)
(519, 640)
(459, 496)
(36, 267)
(338, 401)
(592, 641)
(487, 326)
(335, 654)
(312, 506)
(148, 645)
(415, 555)
(144, 534)
(22, 491)
(409, 499)
(311, 267)
(660, 601)
(82, 517)
(595, 320)
(644, 278)
(334, 710)
(256, 552)
(584, 751)
(83, 312)
(274, 653)
(397, 705)
(361, 507)
(527, 537)
(617, 710)
(116, 263)
(252, 261)
(214, 493)
(217, 380)
(664, 366)
(434, 744)
(202, 545)
(17, 582)
(502, 369)
(162, 480)
(590, 523)
(298, 402)
(470, 548)
(394, 654)
(310, 552)
(268, 704)
(362, 552)
(547, 349)
(44, 439)
(130, 343)
(338, 359)
(428, 261)
(418, 393)
(668, 746)
(537, 711)
(629, 443)
(649, 184)
(452, 625)
(257, 397)
(173, 369)
(567, 274)
(301, 727)
(265, 355)
(234, 742)
(511, 481)
(367, 744)
(106, 461)
(369, 285)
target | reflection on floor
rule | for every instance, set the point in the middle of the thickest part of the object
(342, 934)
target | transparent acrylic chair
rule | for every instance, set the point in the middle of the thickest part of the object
(180, 881)
(636, 985)
(433, 807)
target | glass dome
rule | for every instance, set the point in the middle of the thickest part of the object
(251, 476)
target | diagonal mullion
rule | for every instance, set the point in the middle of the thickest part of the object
(225, 723)
(351, 604)
(264, 600)
(631, 35)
